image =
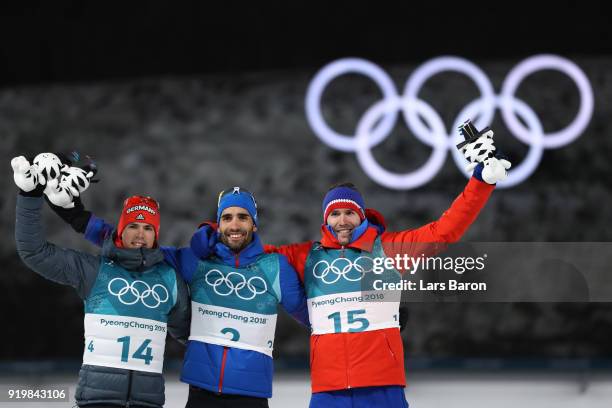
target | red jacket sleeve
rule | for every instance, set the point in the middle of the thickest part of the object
(449, 228)
(295, 253)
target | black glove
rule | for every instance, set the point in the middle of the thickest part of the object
(37, 192)
(78, 217)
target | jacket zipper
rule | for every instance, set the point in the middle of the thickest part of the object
(346, 359)
(225, 348)
(348, 382)
(222, 369)
(129, 394)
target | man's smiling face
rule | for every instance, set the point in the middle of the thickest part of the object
(236, 228)
(343, 221)
(138, 235)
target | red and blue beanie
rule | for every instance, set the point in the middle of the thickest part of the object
(343, 197)
(237, 197)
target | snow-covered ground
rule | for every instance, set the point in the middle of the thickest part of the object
(425, 390)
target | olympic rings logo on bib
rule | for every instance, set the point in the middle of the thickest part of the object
(352, 271)
(131, 293)
(378, 121)
(224, 286)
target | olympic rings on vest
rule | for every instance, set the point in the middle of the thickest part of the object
(217, 279)
(140, 291)
(359, 267)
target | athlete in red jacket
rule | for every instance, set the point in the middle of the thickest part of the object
(350, 359)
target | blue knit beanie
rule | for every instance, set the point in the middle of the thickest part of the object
(237, 197)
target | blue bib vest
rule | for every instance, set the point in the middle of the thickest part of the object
(126, 315)
(340, 286)
(236, 307)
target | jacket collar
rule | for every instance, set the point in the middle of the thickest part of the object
(138, 260)
(245, 257)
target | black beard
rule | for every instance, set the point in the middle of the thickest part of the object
(349, 237)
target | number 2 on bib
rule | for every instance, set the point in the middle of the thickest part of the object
(358, 324)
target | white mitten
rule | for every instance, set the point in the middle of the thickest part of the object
(49, 166)
(24, 174)
(76, 179)
(479, 150)
(72, 182)
(495, 170)
(59, 194)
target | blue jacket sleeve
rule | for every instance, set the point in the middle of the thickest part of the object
(203, 241)
(293, 297)
(183, 260)
(97, 230)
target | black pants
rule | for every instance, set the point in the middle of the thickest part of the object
(199, 398)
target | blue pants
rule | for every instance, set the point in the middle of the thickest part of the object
(366, 397)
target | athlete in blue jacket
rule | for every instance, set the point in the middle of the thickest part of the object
(235, 293)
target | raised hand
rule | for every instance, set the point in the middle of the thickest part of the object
(48, 167)
(76, 179)
(59, 194)
(72, 181)
(495, 170)
(25, 174)
(479, 150)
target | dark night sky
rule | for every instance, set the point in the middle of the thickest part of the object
(45, 42)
